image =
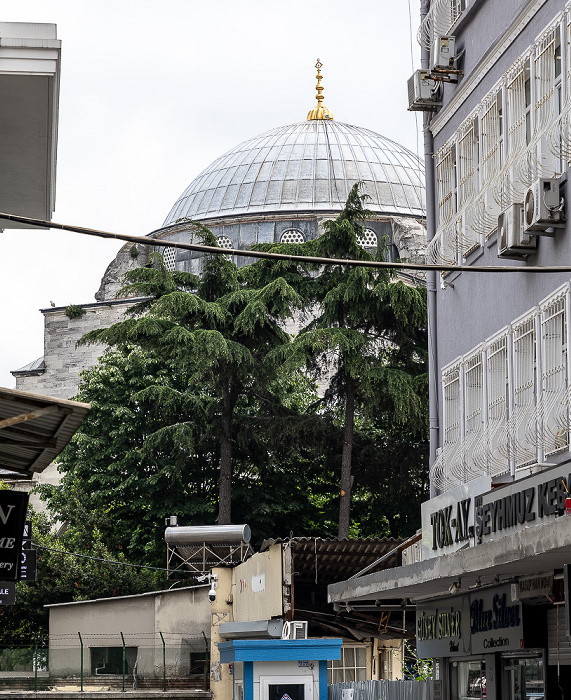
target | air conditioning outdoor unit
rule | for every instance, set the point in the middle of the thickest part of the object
(513, 242)
(543, 206)
(422, 91)
(443, 53)
(294, 630)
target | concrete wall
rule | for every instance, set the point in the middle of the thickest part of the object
(257, 586)
(183, 617)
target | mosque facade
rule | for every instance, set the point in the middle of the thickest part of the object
(280, 186)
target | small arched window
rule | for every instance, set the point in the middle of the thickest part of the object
(224, 242)
(368, 239)
(292, 235)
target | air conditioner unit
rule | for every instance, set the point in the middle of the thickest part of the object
(542, 206)
(513, 242)
(294, 630)
(422, 91)
(443, 54)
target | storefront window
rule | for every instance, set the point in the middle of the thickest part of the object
(523, 678)
(471, 680)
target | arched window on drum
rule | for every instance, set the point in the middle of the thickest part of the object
(292, 235)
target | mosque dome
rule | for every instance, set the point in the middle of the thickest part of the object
(306, 166)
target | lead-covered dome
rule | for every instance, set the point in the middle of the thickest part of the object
(307, 166)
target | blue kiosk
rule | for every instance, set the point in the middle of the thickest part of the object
(280, 669)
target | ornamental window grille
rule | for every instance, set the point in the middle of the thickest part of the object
(224, 242)
(446, 183)
(490, 457)
(473, 409)
(523, 419)
(467, 162)
(507, 404)
(292, 235)
(491, 138)
(440, 19)
(547, 72)
(554, 381)
(368, 239)
(169, 258)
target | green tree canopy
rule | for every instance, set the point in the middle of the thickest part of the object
(365, 336)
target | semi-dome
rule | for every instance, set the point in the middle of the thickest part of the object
(306, 166)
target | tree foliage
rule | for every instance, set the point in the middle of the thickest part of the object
(364, 336)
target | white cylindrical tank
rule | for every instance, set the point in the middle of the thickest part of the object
(213, 534)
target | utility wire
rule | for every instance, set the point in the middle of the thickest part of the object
(106, 561)
(146, 240)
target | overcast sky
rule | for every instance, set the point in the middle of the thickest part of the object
(153, 92)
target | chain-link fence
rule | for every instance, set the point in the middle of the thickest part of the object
(125, 661)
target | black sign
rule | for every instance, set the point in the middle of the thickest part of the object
(27, 571)
(7, 593)
(13, 506)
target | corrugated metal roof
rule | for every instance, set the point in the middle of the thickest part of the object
(324, 560)
(34, 429)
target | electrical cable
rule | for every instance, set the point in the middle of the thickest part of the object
(106, 561)
(157, 242)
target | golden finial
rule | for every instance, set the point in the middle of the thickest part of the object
(319, 112)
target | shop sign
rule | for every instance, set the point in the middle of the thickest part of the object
(442, 627)
(471, 514)
(495, 621)
(481, 622)
(533, 586)
(448, 520)
(13, 506)
(518, 505)
(7, 593)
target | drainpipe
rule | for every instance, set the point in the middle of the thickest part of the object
(431, 277)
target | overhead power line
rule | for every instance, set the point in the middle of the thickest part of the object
(101, 559)
(157, 242)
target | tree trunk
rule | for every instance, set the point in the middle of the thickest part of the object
(346, 478)
(225, 480)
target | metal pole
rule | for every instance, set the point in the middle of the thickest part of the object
(124, 659)
(164, 663)
(35, 664)
(81, 664)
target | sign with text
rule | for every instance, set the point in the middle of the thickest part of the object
(480, 622)
(27, 570)
(13, 506)
(448, 520)
(7, 593)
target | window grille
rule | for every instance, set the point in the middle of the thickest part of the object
(169, 258)
(463, 469)
(368, 239)
(446, 183)
(224, 242)
(292, 235)
(554, 381)
(488, 453)
(440, 19)
(522, 425)
(491, 137)
(452, 421)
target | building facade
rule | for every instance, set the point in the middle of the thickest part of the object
(489, 582)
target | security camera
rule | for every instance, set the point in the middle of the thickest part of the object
(212, 593)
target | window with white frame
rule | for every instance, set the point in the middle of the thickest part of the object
(554, 382)
(506, 404)
(497, 384)
(352, 666)
(523, 418)
(446, 183)
(518, 133)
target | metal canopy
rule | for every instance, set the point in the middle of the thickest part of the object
(543, 547)
(34, 429)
